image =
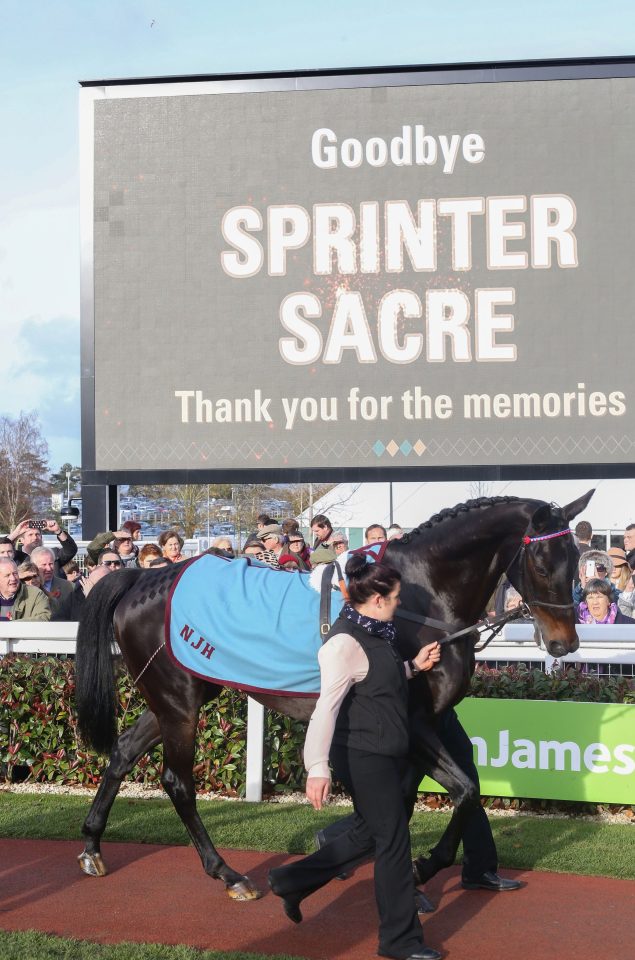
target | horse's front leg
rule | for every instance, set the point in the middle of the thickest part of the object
(129, 748)
(178, 781)
(432, 758)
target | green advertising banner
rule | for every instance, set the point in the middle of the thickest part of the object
(551, 750)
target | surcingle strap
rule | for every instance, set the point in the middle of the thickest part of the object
(326, 589)
(325, 599)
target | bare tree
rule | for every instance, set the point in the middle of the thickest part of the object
(247, 504)
(300, 498)
(191, 509)
(23, 467)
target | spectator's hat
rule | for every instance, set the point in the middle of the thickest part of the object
(618, 556)
(322, 555)
(253, 541)
(271, 530)
(287, 558)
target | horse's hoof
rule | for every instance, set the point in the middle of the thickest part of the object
(423, 903)
(422, 870)
(243, 890)
(92, 864)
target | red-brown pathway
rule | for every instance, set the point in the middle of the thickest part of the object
(160, 894)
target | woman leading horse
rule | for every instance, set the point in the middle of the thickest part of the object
(449, 568)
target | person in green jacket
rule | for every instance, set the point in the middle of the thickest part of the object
(17, 600)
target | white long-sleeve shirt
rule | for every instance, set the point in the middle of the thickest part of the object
(342, 663)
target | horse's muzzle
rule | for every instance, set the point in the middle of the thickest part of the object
(558, 648)
(559, 639)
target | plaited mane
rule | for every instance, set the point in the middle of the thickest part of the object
(453, 512)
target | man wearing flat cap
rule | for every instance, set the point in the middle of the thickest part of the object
(273, 538)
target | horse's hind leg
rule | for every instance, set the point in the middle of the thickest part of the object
(178, 781)
(130, 746)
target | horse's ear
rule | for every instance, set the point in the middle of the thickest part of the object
(541, 518)
(577, 506)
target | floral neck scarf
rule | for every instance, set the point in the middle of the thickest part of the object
(585, 616)
(379, 628)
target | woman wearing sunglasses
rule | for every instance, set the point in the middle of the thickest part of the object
(298, 548)
(29, 574)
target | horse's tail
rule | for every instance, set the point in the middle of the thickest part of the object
(95, 695)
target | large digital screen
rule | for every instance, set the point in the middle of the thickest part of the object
(370, 274)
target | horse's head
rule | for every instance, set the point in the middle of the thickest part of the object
(544, 571)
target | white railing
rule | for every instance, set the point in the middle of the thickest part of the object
(599, 643)
(611, 643)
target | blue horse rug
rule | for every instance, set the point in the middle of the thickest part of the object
(242, 624)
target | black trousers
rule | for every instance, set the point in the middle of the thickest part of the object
(479, 849)
(379, 824)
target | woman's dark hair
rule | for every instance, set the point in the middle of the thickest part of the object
(598, 586)
(366, 578)
(167, 535)
(290, 526)
(264, 519)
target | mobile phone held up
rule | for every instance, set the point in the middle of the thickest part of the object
(38, 524)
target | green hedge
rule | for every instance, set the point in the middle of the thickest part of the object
(567, 683)
(38, 729)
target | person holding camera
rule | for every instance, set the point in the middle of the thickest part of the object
(626, 599)
(29, 532)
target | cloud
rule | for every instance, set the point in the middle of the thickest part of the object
(44, 377)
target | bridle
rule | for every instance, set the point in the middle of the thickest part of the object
(494, 624)
(520, 556)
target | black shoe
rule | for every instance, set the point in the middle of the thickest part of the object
(422, 903)
(321, 841)
(491, 881)
(426, 953)
(290, 902)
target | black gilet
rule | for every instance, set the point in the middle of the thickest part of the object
(374, 715)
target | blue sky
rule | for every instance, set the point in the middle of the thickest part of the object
(47, 46)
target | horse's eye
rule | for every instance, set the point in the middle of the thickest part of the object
(540, 570)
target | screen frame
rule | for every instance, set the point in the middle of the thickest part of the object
(415, 75)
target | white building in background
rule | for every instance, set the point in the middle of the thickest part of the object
(354, 506)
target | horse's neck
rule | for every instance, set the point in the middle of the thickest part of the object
(483, 561)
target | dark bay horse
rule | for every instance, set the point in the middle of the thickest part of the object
(449, 565)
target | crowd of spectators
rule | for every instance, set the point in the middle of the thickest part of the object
(604, 588)
(33, 581)
(39, 582)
